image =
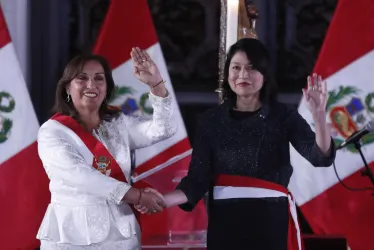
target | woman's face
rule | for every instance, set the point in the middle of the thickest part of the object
(88, 88)
(244, 80)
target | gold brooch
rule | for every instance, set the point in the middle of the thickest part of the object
(102, 163)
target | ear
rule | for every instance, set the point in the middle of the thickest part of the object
(67, 89)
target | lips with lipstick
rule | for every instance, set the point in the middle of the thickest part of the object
(243, 84)
(90, 94)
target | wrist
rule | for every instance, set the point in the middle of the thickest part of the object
(156, 84)
(139, 197)
(159, 89)
(319, 116)
(174, 198)
(153, 83)
(132, 196)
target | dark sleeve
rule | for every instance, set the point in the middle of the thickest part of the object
(198, 179)
(303, 139)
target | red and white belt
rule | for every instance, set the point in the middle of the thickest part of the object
(233, 186)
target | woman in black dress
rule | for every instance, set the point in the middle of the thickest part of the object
(241, 156)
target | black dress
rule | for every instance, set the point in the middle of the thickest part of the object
(254, 144)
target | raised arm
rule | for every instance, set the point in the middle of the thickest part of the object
(145, 132)
(162, 125)
(308, 143)
(318, 148)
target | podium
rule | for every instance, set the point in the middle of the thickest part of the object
(311, 242)
(162, 242)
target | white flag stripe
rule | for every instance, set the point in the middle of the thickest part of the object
(25, 125)
(358, 74)
(123, 77)
(16, 16)
(169, 162)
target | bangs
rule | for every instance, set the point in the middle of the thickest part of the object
(259, 58)
(256, 53)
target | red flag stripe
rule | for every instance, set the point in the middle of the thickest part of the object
(177, 149)
(23, 189)
(337, 210)
(4, 34)
(24, 199)
(349, 36)
(128, 23)
(343, 212)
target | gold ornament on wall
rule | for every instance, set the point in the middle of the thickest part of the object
(248, 16)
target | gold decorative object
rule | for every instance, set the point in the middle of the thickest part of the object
(248, 15)
(240, 15)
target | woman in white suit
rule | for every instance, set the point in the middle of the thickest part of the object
(85, 149)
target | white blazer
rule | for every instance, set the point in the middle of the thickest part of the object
(86, 204)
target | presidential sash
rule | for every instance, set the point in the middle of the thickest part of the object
(103, 161)
(234, 186)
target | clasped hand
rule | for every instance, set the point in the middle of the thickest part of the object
(151, 201)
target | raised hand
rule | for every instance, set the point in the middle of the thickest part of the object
(144, 68)
(142, 208)
(316, 94)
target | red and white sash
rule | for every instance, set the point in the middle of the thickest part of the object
(102, 157)
(233, 186)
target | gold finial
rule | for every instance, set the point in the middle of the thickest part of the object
(248, 14)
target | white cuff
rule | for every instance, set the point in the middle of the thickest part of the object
(155, 99)
(117, 194)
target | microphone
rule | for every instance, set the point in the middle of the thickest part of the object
(356, 136)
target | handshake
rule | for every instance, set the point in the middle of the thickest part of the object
(150, 201)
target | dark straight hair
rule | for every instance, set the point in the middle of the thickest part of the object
(258, 55)
(72, 70)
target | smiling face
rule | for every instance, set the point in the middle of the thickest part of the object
(88, 89)
(243, 79)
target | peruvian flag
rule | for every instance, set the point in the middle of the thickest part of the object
(129, 24)
(24, 191)
(346, 61)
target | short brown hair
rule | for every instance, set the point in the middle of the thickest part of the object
(72, 70)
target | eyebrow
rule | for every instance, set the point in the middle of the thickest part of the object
(240, 63)
(99, 73)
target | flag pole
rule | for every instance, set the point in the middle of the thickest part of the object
(237, 20)
(222, 50)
